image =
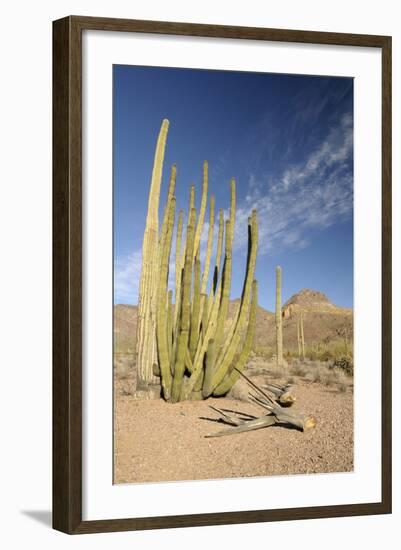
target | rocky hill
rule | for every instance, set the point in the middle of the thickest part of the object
(324, 322)
(312, 301)
(125, 319)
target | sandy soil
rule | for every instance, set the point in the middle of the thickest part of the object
(158, 441)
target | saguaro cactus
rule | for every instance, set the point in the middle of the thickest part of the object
(146, 328)
(196, 352)
(279, 320)
(301, 336)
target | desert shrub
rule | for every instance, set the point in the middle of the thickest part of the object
(331, 378)
(330, 352)
(266, 352)
(126, 388)
(317, 376)
(312, 354)
(298, 370)
(325, 355)
(339, 349)
(342, 387)
(290, 356)
(345, 363)
(123, 366)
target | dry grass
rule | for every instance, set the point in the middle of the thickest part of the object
(312, 372)
(330, 352)
(265, 352)
(320, 373)
(298, 369)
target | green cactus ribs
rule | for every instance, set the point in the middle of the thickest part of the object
(189, 344)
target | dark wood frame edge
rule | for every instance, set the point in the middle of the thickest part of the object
(67, 275)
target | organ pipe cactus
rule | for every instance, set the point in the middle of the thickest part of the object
(162, 302)
(183, 333)
(233, 374)
(198, 349)
(219, 250)
(226, 359)
(146, 328)
(196, 303)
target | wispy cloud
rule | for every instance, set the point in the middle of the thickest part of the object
(305, 196)
(314, 193)
(296, 121)
(127, 273)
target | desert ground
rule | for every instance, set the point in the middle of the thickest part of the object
(156, 441)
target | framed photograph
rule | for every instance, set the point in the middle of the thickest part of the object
(221, 274)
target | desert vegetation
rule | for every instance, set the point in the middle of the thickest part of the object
(188, 341)
(185, 338)
(184, 343)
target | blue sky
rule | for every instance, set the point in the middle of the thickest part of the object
(288, 141)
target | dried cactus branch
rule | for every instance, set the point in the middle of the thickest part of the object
(251, 425)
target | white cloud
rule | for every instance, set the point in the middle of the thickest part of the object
(317, 192)
(127, 273)
(127, 276)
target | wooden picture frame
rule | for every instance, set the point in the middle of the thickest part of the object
(67, 274)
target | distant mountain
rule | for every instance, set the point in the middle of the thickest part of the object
(324, 322)
(307, 300)
(125, 320)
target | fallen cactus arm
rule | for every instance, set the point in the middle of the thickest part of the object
(286, 399)
(236, 418)
(276, 415)
(281, 394)
(256, 424)
(303, 422)
(300, 421)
